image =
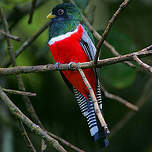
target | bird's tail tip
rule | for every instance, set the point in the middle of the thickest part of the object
(101, 138)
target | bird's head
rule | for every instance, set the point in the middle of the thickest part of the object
(64, 18)
(65, 11)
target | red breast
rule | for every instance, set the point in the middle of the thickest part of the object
(66, 48)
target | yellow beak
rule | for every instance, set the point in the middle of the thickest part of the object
(51, 16)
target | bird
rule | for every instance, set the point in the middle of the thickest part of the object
(70, 41)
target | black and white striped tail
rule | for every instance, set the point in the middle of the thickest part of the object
(87, 109)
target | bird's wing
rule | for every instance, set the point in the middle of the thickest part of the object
(87, 45)
(89, 48)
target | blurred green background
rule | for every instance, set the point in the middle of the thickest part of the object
(55, 104)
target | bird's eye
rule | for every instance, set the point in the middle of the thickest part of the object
(60, 12)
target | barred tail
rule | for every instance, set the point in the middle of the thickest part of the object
(87, 109)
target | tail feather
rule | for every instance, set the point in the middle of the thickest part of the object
(87, 108)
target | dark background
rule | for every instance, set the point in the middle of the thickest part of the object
(55, 104)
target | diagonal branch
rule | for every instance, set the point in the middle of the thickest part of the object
(119, 99)
(27, 43)
(19, 78)
(30, 107)
(25, 135)
(115, 53)
(143, 65)
(66, 142)
(32, 11)
(32, 126)
(95, 102)
(99, 37)
(140, 103)
(107, 29)
(10, 36)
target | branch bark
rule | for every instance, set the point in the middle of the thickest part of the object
(27, 43)
(99, 37)
(32, 126)
(119, 99)
(66, 142)
(32, 11)
(140, 103)
(23, 93)
(143, 65)
(95, 102)
(108, 27)
(51, 67)
(19, 78)
(10, 36)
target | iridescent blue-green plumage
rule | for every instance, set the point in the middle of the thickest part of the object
(67, 22)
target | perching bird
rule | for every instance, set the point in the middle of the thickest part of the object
(70, 41)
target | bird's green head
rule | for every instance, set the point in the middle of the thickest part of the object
(64, 18)
(65, 11)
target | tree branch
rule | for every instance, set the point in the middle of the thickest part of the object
(50, 67)
(115, 53)
(29, 105)
(142, 100)
(143, 65)
(32, 11)
(119, 99)
(10, 36)
(23, 93)
(26, 137)
(66, 142)
(19, 78)
(32, 126)
(95, 102)
(99, 37)
(26, 44)
(108, 27)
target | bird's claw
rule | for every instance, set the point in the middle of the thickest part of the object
(57, 65)
(69, 65)
(107, 130)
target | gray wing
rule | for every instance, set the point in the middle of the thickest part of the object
(87, 45)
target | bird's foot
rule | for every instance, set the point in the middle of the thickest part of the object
(57, 65)
(69, 65)
(106, 130)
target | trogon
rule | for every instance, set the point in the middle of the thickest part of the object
(70, 41)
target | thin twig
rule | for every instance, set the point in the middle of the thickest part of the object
(23, 93)
(143, 65)
(115, 53)
(6, 63)
(21, 11)
(140, 103)
(26, 137)
(95, 102)
(19, 78)
(35, 117)
(43, 145)
(51, 67)
(32, 11)
(66, 142)
(99, 37)
(32, 126)
(108, 27)
(7, 32)
(119, 99)
(10, 36)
